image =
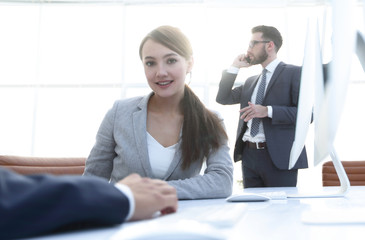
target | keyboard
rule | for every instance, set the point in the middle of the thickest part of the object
(225, 215)
(216, 215)
(277, 195)
(205, 220)
(173, 230)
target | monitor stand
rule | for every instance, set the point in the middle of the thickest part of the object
(344, 182)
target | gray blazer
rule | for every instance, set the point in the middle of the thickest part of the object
(121, 149)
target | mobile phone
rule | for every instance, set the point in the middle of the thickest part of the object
(248, 59)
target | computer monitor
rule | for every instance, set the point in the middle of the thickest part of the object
(360, 47)
(328, 100)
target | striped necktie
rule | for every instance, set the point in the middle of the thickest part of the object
(259, 97)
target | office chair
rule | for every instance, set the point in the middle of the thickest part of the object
(36, 165)
(355, 171)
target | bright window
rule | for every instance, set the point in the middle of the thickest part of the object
(64, 64)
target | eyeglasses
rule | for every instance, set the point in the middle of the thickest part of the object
(254, 42)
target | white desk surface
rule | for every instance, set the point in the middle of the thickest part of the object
(274, 219)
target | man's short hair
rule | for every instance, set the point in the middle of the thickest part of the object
(269, 33)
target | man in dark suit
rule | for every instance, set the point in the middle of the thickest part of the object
(40, 204)
(266, 128)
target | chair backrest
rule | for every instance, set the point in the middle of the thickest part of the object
(36, 165)
(355, 171)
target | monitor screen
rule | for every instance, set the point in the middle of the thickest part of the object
(329, 99)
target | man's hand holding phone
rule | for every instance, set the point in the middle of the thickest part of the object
(242, 60)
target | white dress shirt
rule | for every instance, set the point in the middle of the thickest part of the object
(260, 137)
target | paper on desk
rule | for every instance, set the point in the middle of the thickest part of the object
(334, 216)
(172, 230)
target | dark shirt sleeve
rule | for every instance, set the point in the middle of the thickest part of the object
(40, 204)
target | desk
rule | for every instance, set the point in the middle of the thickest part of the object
(274, 219)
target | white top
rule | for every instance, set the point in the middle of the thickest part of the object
(260, 137)
(160, 156)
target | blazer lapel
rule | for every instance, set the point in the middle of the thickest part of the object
(175, 162)
(274, 77)
(249, 90)
(140, 134)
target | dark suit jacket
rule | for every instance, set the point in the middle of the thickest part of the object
(282, 94)
(39, 204)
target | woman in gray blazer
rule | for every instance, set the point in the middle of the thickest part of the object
(168, 134)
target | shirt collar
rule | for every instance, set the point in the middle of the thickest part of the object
(272, 66)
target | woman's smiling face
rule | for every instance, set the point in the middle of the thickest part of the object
(165, 70)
